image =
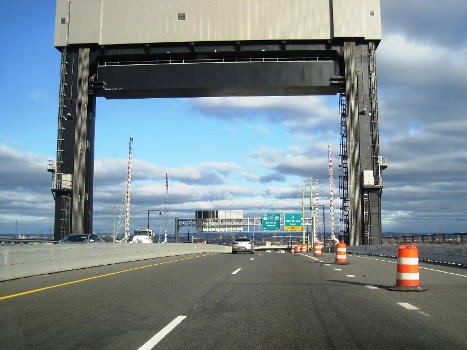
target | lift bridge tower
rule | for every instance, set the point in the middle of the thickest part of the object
(157, 48)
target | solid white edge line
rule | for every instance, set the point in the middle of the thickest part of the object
(162, 333)
(236, 271)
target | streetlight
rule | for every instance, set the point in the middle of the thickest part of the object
(159, 210)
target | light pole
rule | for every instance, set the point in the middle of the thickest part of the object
(149, 210)
(324, 224)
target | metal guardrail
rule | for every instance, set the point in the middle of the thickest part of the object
(224, 59)
(437, 238)
(25, 241)
(428, 253)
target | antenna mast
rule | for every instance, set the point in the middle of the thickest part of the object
(166, 204)
(128, 191)
(316, 210)
(331, 193)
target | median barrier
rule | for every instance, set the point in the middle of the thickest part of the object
(445, 255)
(26, 261)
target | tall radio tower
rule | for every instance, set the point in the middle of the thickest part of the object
(128, 191)
(166, 205)
(331, 193)
(317, 209)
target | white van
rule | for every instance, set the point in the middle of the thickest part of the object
(143, 235)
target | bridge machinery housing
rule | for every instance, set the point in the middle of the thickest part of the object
(158, 48)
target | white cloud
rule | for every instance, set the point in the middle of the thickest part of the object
(297, 113)
(250, 176)
(409, 62)
(111, 170)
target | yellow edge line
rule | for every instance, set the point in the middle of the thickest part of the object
(100, 276)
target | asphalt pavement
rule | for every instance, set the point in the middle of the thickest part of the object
(241, 301)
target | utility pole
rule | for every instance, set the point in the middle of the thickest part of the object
(312, 234)
(166, 204)
(113, 206)
(316, 210)
(303, 215)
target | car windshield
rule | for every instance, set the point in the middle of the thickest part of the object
(243, 240)
(141, 233)
(76, 238)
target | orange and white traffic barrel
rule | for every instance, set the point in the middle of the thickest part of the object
(407, 275)
(318, 247)
(304, 248)
(341, 253)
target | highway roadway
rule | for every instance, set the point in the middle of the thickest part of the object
(243, 301)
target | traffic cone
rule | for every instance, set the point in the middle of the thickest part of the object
(304, 248)
(341, 253)
(407, 275)
(318, 249)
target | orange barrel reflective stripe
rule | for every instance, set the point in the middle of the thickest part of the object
(407, 266)
(341, 253)
(318, 249)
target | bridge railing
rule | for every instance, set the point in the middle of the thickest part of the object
(437, 238)
(429, 253)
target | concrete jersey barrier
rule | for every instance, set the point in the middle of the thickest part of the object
(32, 260)
(448, 255)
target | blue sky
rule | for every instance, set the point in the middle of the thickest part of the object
(243, 153)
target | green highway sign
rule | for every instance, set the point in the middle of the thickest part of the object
(293, 222)
(271, 221)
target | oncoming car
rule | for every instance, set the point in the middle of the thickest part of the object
(76, 238)
(243, 245)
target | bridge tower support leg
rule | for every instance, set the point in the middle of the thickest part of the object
(364, 174)
(73, 186)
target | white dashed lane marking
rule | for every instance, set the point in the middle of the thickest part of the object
(151, 343)
(408, 306)
(372, 287)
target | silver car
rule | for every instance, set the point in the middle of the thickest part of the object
(243, 245)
